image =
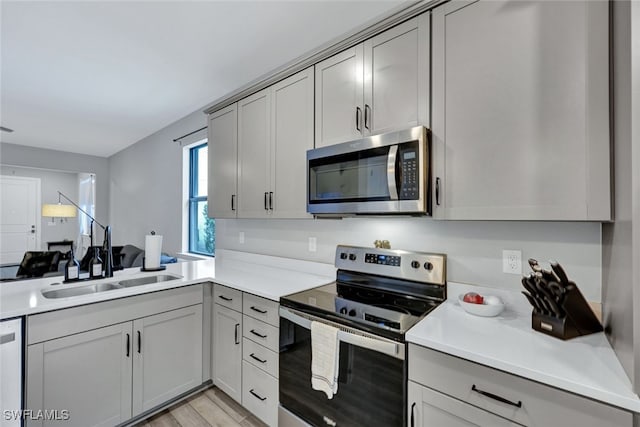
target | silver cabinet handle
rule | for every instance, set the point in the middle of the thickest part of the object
(7, 338)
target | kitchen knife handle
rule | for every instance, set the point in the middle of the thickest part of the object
(438, 191)
(496, 397)
(358, 114)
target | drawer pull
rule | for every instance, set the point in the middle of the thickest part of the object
(254, 357)
(222, 297)
(413, 421)
(257, 395)
(496, 397)
(257, 334)
(235, 335)
(258, 310)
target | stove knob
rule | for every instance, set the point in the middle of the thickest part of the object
(352, 257)
(428, 266)
(343, 255)
(415, 264)
(343, 310)
(352, 312)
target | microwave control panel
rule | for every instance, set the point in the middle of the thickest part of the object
(410, 173)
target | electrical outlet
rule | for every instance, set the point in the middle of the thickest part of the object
(312, 244)
(241, 237)
(512, 262)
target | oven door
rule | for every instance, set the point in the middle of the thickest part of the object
(371, 382)
(379, 174)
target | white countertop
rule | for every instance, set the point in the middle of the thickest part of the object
(262, 275)
(586, 365)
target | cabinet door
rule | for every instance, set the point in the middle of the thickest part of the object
(227, 351)
(429, 408)
(396, 89)
(223, 155)
(167, 356)
(88, 374)
(291, 137)
(520, 110)
(339, 97)
(253, 155)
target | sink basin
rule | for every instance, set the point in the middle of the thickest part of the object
(80, 290)
(147, 280)
(103, 287)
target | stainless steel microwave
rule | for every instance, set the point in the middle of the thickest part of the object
(380, 174)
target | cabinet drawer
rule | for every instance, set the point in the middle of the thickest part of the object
(260, 394)
(261, 309)
(260, 356)
(534, 404)
(227, 297)
(260, 332)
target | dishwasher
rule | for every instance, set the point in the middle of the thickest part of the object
(10, 372)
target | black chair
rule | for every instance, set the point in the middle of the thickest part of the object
(38, 263)
(64, 246)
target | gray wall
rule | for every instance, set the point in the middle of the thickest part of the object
(51, 182)
(146, 186)
(474, 248)
(18, 155)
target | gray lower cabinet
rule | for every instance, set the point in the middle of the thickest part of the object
(431, 408)
(227, 350)
(446, 391)
(108, 362)
(520, 110)
(167, 360)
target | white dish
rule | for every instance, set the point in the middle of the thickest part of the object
(490, 308)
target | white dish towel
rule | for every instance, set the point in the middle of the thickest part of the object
(325, 349)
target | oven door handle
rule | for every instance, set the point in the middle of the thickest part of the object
(391, 172)
(348, 335)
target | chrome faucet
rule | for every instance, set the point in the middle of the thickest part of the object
(108, 257)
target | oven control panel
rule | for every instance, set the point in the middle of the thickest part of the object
(416, 266)
(391, 260)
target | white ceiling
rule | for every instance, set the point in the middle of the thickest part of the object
(94, 77)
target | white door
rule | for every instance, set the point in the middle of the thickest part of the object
(19, 217)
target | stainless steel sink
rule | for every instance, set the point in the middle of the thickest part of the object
(103, 287)
(147, 280)
(80, 290)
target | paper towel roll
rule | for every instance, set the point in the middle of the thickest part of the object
(152, 250)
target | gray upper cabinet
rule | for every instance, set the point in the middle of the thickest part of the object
(223, 154)
(379, 85)
(520, 110)
(274, 131)
(254, 121)
(291, 137)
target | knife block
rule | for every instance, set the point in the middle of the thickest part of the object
(578, 317)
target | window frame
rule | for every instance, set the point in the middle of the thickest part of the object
(194, 199)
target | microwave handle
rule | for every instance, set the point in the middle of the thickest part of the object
(391, 172)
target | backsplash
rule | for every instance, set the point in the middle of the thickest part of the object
(474, 248)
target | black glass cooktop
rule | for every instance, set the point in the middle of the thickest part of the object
(387, 309)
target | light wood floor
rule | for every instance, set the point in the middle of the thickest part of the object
(208, 408)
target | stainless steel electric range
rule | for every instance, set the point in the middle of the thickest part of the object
(377, 296)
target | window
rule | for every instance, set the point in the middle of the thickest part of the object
(202, 238)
